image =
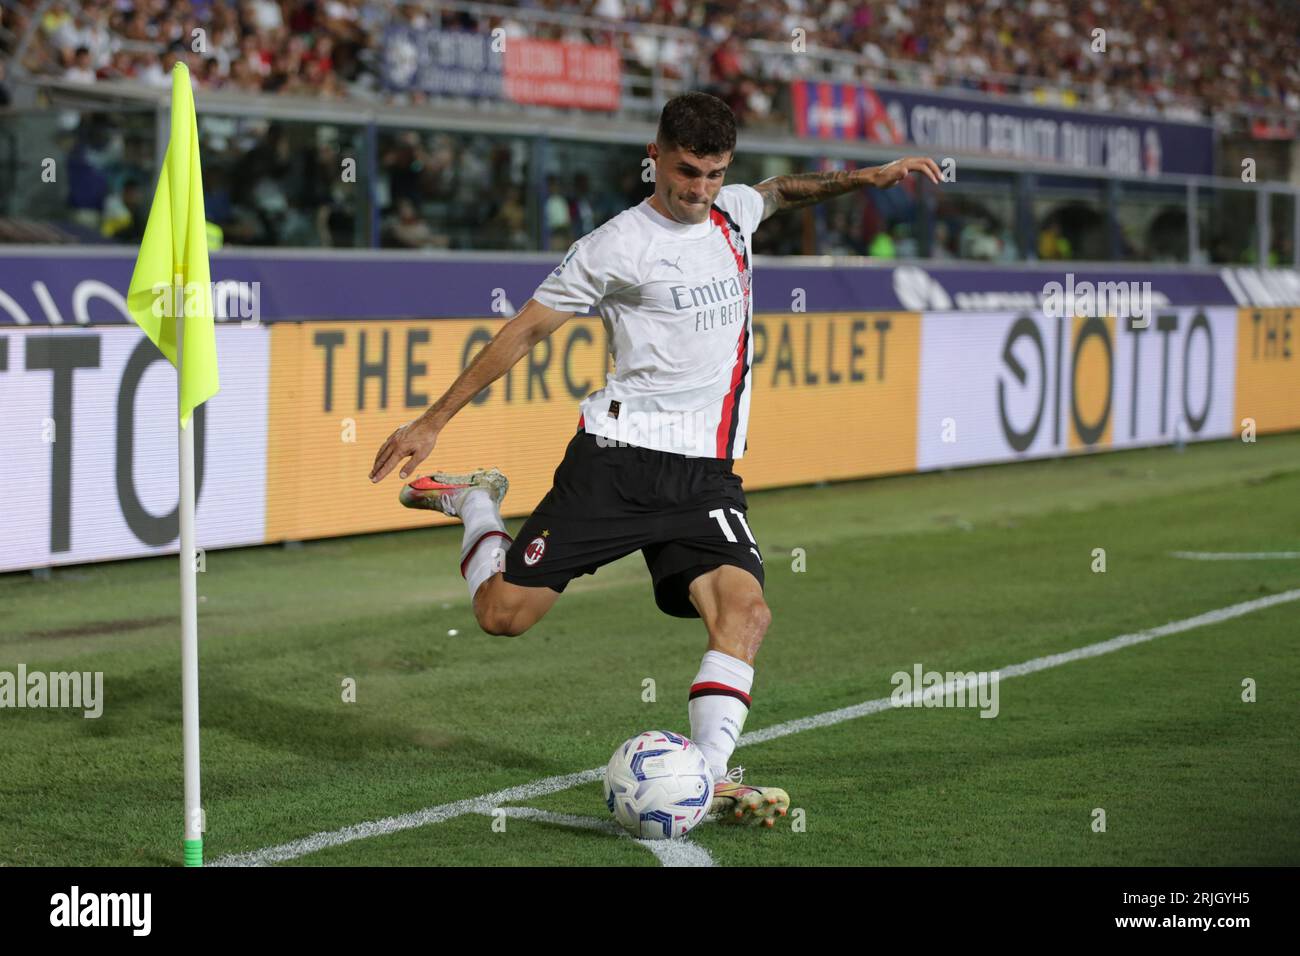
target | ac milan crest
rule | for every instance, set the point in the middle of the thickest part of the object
(533, 553)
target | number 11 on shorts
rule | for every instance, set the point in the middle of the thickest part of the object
(718, 515)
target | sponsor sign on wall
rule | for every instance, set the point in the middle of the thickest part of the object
(999, 386)
(953, 367)
(88, 447)
(1268, 368)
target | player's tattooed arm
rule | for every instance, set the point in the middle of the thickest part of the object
(805, 189)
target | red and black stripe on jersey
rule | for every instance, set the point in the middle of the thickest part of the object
(730, 418)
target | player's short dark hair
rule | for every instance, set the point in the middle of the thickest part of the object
(698, 123)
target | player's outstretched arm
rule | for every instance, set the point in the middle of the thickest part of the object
(804, 189)
(415, 439)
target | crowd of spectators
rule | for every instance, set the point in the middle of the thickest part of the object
(279, 184)
(253, 46)
(1184, 57)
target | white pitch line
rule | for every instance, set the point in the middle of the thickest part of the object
(1236, 555)
(678, 852)
(1028, 667)
(490, 801)
(668, 852)
(361, 831)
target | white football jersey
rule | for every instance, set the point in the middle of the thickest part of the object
(676, 300)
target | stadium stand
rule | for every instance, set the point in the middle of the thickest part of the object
(271, 174)
(1041, 50)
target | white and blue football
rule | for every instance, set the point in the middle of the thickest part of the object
(658, 785)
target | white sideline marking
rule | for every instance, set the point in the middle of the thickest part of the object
(361, 831)
(1236, 555)
(491, 801)
(668, 852)
(1028, 667)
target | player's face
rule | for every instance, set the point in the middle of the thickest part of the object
(685, 184)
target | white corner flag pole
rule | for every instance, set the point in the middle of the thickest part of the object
(189, 620)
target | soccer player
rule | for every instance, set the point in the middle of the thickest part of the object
(649, 467)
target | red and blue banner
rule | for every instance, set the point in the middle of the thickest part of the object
(955, 124)
(440, 62)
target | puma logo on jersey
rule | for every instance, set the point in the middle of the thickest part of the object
(673, 264)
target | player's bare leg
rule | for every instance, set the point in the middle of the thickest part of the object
(510, 609)
(730, 602)
(500, 607)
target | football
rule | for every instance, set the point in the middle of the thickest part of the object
(658, 785)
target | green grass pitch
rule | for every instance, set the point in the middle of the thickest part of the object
(966, 570)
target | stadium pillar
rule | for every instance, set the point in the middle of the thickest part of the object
(1193, 225)
(923, 224)
(372, 180)
(1261, 228)
(162, 131)
(1026, 233)
(1114, 238)
(540, 151)
(1295, 229)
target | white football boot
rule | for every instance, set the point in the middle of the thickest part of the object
(443, 492)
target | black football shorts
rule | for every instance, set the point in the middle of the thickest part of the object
(686, 515)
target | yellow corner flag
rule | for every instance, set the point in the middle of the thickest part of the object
(171, 275)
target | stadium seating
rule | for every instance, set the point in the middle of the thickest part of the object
(1190, 58)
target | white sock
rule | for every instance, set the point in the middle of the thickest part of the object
(719, 703)
(483, 552)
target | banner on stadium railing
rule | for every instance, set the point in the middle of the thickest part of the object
(556, 73)
(934, 122)
(976, 370)
(440, 62)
